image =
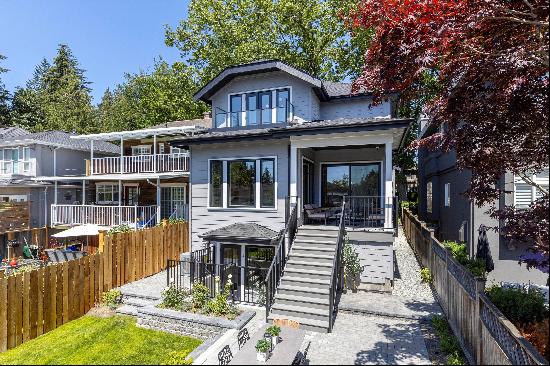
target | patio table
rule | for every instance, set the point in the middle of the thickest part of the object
(290, 341)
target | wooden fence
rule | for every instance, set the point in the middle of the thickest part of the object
(486, 336)
(14, 216)
(36, 302)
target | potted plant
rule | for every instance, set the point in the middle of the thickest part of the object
(352, 267)
(274, 331)
(262, 350)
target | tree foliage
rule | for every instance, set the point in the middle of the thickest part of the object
(4, 97)
(145, 99)
(490, 59)
(56, 98)
(307, 34)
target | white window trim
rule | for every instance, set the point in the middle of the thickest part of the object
(102, 184)
(135, 147)
(273, 91)
(161, 148)
(225, 185)
(26, 161)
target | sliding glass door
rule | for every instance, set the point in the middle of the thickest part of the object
(349, 179)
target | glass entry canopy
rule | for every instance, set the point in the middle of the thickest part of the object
(349, 179)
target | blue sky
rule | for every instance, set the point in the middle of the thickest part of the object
(108, 38)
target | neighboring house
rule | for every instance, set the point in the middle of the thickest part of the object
(278, 133)
(145, 182)
(24, 156)
(441, 188)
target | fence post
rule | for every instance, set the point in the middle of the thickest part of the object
(101, 238)
(480, 287)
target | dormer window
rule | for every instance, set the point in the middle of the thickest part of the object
(255, 108)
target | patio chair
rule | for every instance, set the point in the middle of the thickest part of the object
(225, 356)
(242, 337)
(286, 323)
(316, 213)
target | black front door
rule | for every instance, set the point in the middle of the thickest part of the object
(231, 258)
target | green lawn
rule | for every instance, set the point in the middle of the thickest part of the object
(92, 340)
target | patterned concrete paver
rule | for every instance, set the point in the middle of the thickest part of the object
(368, 340)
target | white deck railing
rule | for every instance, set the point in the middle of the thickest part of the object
(134, 216)
(159, 163)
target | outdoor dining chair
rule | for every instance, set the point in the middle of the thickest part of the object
(225, 356)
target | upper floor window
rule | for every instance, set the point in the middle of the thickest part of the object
(525, 193)
(107, 193)
(255, 108)
(242, 183)
(141, 150)
(9, 161)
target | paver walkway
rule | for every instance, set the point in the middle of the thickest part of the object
(151, 286)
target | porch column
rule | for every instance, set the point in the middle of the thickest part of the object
(158, 200)
(293, 173)
(388, 186)
(119, 192)
(83, 192)
(55, 193)
(155, 153)
(121, 155)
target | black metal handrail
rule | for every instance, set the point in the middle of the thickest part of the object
(336, 275)
(276, 269)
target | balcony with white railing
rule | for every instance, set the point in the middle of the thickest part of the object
(133, 216)
(154, 163)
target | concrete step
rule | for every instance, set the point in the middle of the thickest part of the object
(319, 229)
(313, 274)
(307, 264)
(297, 280)
(138, 302)
(315, 243)
(315, 293)
(312, 302)
(128, 294)
(317, 234)
(320, 326)
(317, 258)
(312, 249)
(300, 311)
(127, 310)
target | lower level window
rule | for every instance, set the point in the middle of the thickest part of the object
(107, 193)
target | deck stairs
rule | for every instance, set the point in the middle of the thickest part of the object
(303, 293)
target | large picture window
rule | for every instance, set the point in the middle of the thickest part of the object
(216, 183)
(256, 108)
(242, 183)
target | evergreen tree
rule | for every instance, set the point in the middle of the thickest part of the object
(4, 98)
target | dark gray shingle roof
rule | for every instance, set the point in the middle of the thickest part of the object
(9, 132)
(63, 139)
(242, 232)
(335, 90)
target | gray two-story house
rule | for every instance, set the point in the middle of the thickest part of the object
(443, 203)
(282, 139)
(24, 156)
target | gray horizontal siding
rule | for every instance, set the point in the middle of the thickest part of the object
(203, 219)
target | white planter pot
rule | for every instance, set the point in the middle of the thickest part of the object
(261, 356)
(274, 340)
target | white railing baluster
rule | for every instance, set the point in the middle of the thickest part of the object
(177, 162)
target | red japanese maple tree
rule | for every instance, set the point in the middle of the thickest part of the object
(490, 61)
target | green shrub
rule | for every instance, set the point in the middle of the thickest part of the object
(447, 341)
(352, 264)
(174, 298)
(458, 250)
(200, 295)
(426, 276)
(263, 345)
(273, 330)
(519, 305)
(179, 358)
(120, 229)
(111, 298)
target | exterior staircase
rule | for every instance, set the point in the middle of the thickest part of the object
(304, 292)
(131, 301)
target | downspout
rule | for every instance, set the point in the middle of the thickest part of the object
(46, 206)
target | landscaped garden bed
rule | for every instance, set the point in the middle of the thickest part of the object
(194, 313)
(111, 340)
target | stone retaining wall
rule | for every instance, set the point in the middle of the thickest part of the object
(189, 324)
